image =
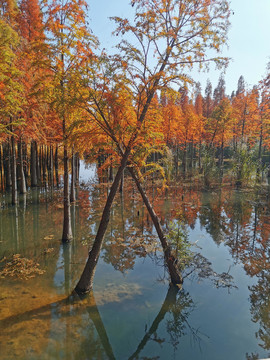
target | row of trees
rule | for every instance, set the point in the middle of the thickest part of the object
(56, 87)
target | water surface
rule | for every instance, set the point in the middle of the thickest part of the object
(133, 313)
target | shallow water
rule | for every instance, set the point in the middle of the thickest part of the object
(132, 312)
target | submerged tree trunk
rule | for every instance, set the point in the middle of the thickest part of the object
(56, 166)
(73, 175)
(7, 166)
(67, 231)
(170, 260)
(33, 165)
(85, 283)
(21, 176)
(13, 172)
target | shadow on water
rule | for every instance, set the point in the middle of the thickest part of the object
(176, 306)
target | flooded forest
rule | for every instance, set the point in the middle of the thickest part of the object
(134, 205)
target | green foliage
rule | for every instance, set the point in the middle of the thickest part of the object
(178, 239)
(210, 169)
(244, 166)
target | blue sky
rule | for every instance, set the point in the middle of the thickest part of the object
(249, 38)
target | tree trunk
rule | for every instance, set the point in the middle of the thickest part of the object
(44, 165)
(121, 187)
(170, 260)
(67, 231)
(33, 164)
(191, 154)
(7, 166)
(85, 283)
(1, 168)
(50, 165)
(176, 161)
(21, 176)
(25, 161)
(200, 155)
(77, 169)
(111, 173)
(185, 159)
(13, 172)
(259, 166)
(73, 175)
(56, 165)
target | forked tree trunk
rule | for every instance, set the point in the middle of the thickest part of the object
(67, 231)
(85, 283)
(170, 260)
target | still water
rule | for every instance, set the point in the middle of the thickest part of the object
(222, 312)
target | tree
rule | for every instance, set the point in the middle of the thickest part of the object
(10, 87)
(175, 35)
(240, 85)
(71, 49)
(208, 102)
(219, 92)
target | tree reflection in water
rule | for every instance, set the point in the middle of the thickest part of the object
(239, 220)
(247, 234)
(72, 334)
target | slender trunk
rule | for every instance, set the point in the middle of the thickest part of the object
(121, 187)
(1, 168)
(67, 231)
(243, 127)
(111, 172)
(176, 161)
(185, 159)
(50, 165)
(200, 155)
(21, 176)
(38, 165)
(13, 172)
(44, 166)
(170, 260)
(191, 154)
(77, 169)
(56, 165)
(7, 166)
(73, 175)
(85, 283)
(259, 166)
(25, 162)
(33, 164)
